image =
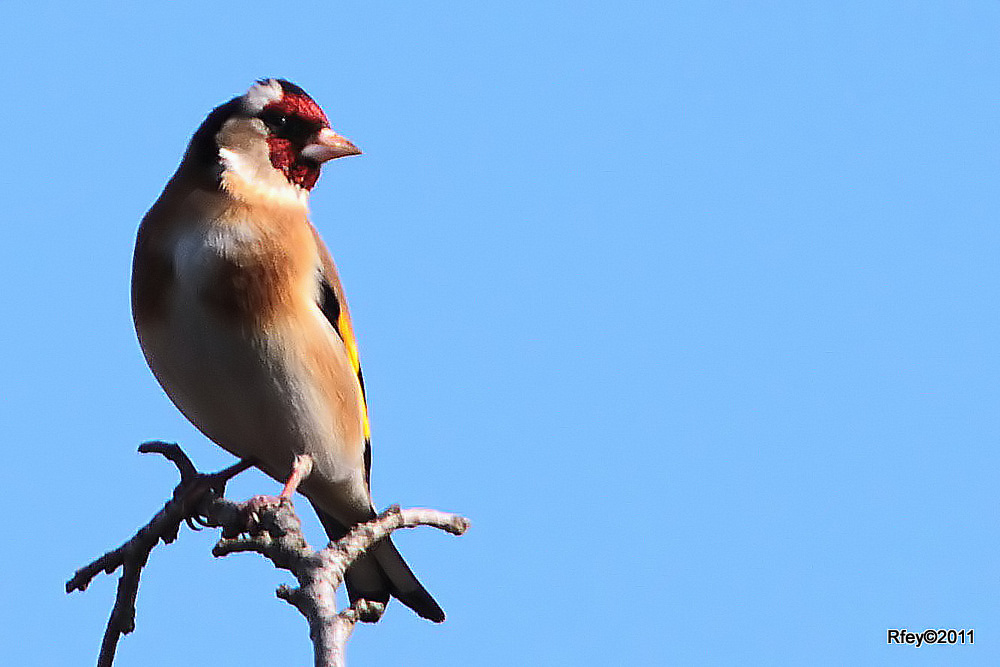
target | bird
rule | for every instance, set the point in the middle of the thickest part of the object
(242, 318)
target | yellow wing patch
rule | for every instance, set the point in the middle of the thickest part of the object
(347, 335)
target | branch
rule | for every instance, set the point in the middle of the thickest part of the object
(193, 491)
(268, 526)
(320, 573)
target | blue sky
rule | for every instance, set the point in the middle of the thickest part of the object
(689, 306)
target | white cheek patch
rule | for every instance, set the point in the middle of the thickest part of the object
(239, 163)
(262, 94)
(251, 176)
(247, 171)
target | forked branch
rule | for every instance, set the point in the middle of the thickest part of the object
(268, 526)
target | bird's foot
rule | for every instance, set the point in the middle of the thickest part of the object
(258, 503)
(255, 507)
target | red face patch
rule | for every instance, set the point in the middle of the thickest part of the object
(286, 156)
(299, 106)
(293, 121)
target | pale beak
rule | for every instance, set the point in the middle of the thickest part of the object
(327, 145)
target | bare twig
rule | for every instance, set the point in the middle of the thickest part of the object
(190, 494)
(268, 526)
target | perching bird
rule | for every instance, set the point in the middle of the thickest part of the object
(242, 318)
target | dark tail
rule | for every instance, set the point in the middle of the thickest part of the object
(383, 572)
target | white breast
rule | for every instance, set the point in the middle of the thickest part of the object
(247, 391)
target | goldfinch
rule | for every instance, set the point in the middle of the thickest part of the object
(243, 321)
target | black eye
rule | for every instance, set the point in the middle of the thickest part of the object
(291, 127)
(275, 121)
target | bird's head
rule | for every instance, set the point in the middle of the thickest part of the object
(272, 139)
